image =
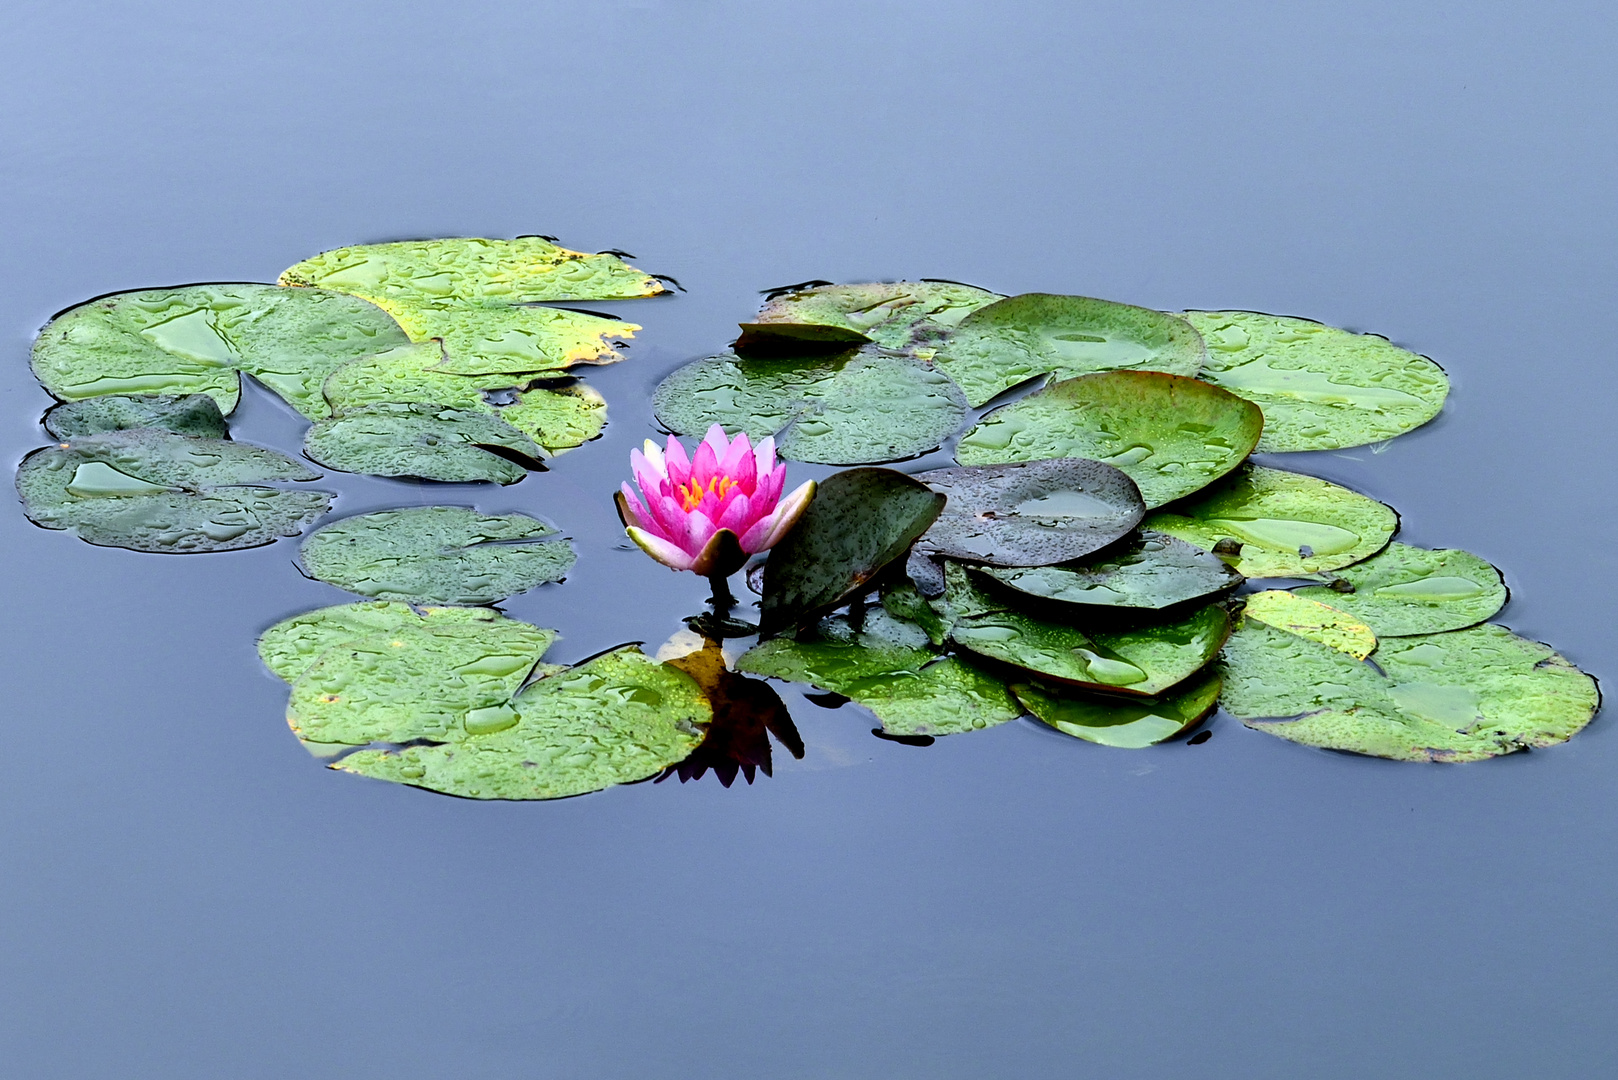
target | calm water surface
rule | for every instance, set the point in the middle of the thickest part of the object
(187, 894)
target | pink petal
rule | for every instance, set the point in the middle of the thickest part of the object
(654, 455)
(737, 516)
(731, 459)
(716, 439)
(636, 508)
(704, 465)
(678, 465)
(764, 455)
(699, 529)
(668, 554)
(742, 467)
(709, 555)
(787, 514)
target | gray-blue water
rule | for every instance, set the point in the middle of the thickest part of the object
(185, 893)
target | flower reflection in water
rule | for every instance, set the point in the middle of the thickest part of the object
(746, 712)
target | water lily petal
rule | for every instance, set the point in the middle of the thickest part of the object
(678, 465)
(787, 513)
(764, 455)
(669, 554)
(699, 529)
(654, 457)
(717, 548)
(633, 507)
(704, 465)
(737, 516)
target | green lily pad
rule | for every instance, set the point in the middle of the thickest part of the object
(859, 521)
(194, 339)
(512, 340)
(1145, 660)
(1171, 434)
(194, 414)
(1288, 524)
(1320, 388)
(1151, 570)
(437, 554)
(894, 314)
(1112, 722)
(904, 601)
(618, 718)
(150, 490)
(887, 668)
(1464, 695)
(1015, 339)
(853, 408)
(429, 442)
(1031, 513)
(472, 270)
(291, 645)
(1409, 590)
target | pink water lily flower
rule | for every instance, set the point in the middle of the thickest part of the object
(699, 511)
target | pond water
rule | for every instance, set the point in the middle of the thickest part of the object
(188, 893)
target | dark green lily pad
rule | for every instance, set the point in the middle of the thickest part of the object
(894, 314)
(291, 645)
(1464, 695)
(437, 680)
(618, 718)
(1171, 434)
(194, 339)
(1031, 513)
(1320, 388)
(845, 410)
(430, 442)
(1151, 570)
(1015, 339)
(1288, 524)
(512, 340)
(150, 490)
(1409, 590)
(194, 414)
(437, 554)
(859, 521)
(887, 668)
(472, 270)
(1128, 724)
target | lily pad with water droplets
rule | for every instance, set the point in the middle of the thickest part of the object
(429, 442)
(193, 414)
(894, 314)
(846, 410)
(513, 340)
(1113, 722)
(1464, 695)
(472, 271)
(1409, 590)
(150, 490)
(1150, 571)
(1031, 513)
(1020, 337)
(291, 645)
(437, 554)
(194, 339)
(886, 667)
(1313, 620)
(859, 521)
(1288, 524)
(1320, 388)
(618, 718)
(1171, 434)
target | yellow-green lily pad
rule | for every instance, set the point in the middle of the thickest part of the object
(1409, 590)
(1313, 620)
(291, 645)
(512, 340)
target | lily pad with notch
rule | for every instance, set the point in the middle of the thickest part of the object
(513, 340)
(1021, 337)
(291, 645)
(1311, 619)
(894, 314)
(1127, 724)
(1172, 435)
(847, 409)
(151, 490)
(1283, 524)
(859, 522)
(437, 554)
(1148, 571)
(196, 415)
(1031, 513)
(1409, 590)
(428, 442)
(1320, 388)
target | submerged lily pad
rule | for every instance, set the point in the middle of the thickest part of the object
(893, 314)
(1313, 620)
(1113, 722)
(194, 339)
(425, 441)
(618, 718)
(150, 490)
(291, 645)
(1031, 513)
(1171, 434)
(887, 668)
(1409, 590)
(437, 554)
(472, 270)
(1015, 339)
(1287, 524)
(859, 521)
(193, 414)
(1152, 570)
(1320, 388)
(512, 340)
(845, 410)
(1463, 695)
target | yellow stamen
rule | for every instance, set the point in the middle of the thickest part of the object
(692, 494)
